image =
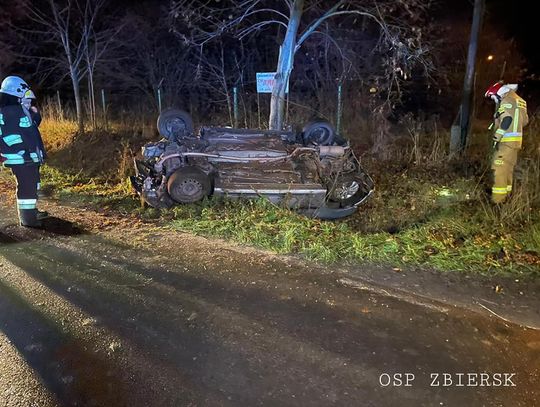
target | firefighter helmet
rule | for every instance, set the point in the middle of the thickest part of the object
(493, 90)
(499, 89)
(14, 86)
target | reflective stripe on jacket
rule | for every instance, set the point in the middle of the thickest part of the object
(20, 140)
(510, 119)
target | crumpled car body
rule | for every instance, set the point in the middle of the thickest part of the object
(324, 181)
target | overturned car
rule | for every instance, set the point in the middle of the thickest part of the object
(314, 171)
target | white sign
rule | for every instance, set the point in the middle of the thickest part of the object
(266, 81)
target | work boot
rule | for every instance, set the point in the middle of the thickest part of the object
(42, 215)
(28, 218)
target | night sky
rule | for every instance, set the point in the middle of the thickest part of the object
(517, 19)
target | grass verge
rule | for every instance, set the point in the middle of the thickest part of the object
(420, 215)
(437, 226)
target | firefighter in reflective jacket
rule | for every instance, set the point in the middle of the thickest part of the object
(509, 120)
(21, 149)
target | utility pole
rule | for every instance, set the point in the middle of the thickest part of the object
(458, 138)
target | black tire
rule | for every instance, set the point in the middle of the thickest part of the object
(319, 133)
(174, 124)
(189, 185)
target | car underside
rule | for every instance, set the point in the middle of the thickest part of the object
(313, 171)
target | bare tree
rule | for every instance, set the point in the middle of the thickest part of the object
(296, 22)
(216, 76)
(9, 39)
(145, 61)
(98, 45)
(219, 71)
(69, 27)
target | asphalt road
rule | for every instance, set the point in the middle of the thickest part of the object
(108, 319)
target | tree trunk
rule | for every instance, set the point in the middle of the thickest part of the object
(284, 68)
(78, 101)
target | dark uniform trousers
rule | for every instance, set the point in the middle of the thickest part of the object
(21, 149)
(27, 191)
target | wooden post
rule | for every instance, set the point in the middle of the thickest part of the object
(339, 108)
(259, 108)
(60, 110)
(503, 70)
(235, 106)
(103, 104)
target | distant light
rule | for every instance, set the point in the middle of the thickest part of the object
(490, 57)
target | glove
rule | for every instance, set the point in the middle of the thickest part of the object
(27, 157)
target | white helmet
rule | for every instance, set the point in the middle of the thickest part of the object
(15, 86)
(507, 88)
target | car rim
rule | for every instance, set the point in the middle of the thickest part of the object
(319, 135)
(347, 190)
(190, 188)
(175, 126)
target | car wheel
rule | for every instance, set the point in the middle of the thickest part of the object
(189, 185)
(174, 123)
(319, 133)
(347, 191)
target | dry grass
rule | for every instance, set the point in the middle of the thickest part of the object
(103, 154)
(426, 143)
(58, 127)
